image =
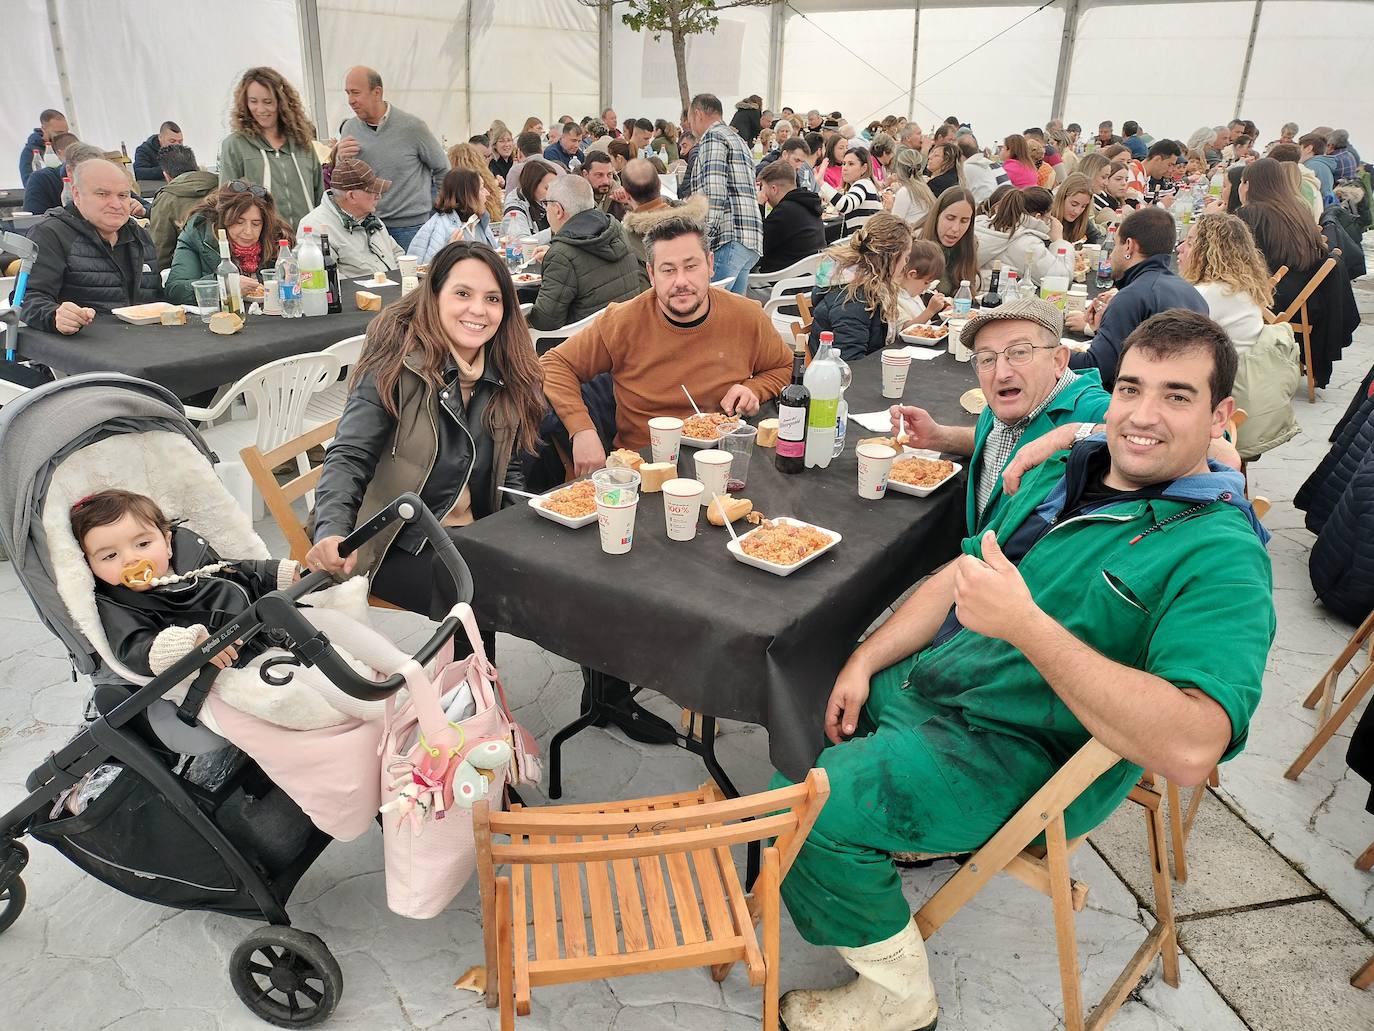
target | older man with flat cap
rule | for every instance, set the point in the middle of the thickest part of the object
(348, 213)
(1023, 370)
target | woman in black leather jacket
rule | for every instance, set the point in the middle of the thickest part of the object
(446, 396)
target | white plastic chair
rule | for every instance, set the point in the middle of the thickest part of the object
(278, 393)
(11, 391)
(562, 332)
(328, 404)
(164, 274)
(799, 268)
(723, 283)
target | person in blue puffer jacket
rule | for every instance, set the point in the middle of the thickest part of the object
(460, 213)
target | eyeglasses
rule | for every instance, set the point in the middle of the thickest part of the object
(1016, 354)
(243, 186)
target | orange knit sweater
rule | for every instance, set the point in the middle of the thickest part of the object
(650, 359)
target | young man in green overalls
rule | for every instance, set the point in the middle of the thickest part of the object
(1091, 606)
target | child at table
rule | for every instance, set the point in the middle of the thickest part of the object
(925, 267)
(162, 591)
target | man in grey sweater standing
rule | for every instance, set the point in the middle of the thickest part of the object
(396, 146)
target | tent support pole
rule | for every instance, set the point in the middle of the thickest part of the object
(312, 65)
(915, 41)
(59, 56)
(1066, 45)
(777, 32)
(606, 31)
(467, 69)
(1249, 54)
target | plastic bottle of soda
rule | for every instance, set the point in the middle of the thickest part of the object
(288, 281)
(314, 283)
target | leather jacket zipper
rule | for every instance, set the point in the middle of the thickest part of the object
(471, 443)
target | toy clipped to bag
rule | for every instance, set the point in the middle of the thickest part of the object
(452, 742)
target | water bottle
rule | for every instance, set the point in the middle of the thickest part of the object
(50, 158)
(314, 283)
(963, 300)
(37, 163)
(823, 379)
(842, 412)
(1104, 262)
(288, 281)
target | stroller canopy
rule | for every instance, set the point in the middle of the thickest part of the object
(37, 432)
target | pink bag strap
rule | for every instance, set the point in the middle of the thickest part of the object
(481, 673)
(429, 710)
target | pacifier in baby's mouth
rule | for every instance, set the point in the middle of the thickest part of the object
(138, 576)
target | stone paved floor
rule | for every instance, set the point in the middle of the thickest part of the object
(1273, 919)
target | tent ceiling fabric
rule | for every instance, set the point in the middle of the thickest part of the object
(1173, 66)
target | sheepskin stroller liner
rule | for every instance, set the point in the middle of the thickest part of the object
(157, 832)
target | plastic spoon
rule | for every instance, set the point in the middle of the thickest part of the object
(689, 399)
(715, 500)
(521, 493)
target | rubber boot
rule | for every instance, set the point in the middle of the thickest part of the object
(893, 991)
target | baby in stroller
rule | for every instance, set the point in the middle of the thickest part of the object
(161, 591)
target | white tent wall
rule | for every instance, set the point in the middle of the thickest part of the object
(1331, 46)
(820, 68)
(28, 77)
(509, 84)
(732, 63)
(127, 79)
(1182, 73)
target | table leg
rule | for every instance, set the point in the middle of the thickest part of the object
(596, 702)
(706, 748)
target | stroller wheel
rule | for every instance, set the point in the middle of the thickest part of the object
(12, 899)
(286, 977)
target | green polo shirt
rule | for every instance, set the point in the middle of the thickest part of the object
(1083, 400)
(1191, 602)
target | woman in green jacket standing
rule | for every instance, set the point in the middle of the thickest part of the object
(252, 226)
(272, 144)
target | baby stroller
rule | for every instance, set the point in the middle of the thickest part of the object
(161, 829)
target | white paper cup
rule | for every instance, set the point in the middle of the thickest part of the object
(713, 470)
(408, 264)
(617, 526)
(665, 437)
(681, 506)
(895, 369)
(875, 462)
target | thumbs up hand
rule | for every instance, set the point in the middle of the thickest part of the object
(990, 597)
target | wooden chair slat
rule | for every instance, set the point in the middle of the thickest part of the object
(592, 968)
(545, 907)
(600, 904)
(738, 901)
(521, 928)
(656, 902)
(632, 929)
(618, 846)
(685, 897)
(570, 909)
(580, 820)
(713, 894)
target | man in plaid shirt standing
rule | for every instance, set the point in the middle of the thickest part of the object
(724, 174)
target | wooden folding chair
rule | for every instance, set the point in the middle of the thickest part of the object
(1296, 315)
(278, 497)
(1329, 722)
(1364, 977)
(1047, 870)
(615, 848)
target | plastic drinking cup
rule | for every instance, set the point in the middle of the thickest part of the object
(895, 369)
(665, 437)
(713, 470)
(528, 245)
(739, 445)
(207, 297)
(875, 462)
(617, 498)
(681, 506)
(271, 299)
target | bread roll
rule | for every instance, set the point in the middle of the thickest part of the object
(225, 323)
(368, 301)
(174, 317)
(735, 508)
(653, 475)
(624, 458)
(768, 433)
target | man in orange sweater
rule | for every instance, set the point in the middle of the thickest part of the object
(722, 347)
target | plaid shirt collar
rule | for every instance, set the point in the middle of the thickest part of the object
(1003, 439)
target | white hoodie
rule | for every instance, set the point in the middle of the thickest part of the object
(1027, 245)
(983, 176)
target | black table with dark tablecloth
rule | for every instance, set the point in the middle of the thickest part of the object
(190, 359)
(686, 619)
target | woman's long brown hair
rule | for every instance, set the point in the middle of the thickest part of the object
(1279, 221)
(961, 261)
(465, 155)
(412, 326)
(290, 111)
(1074, 183)
(225, 206)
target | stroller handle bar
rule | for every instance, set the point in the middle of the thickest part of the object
(278, 610)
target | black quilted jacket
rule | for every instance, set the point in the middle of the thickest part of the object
(1339, 501)
(75, 264)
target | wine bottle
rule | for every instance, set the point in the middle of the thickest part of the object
(794, 404)
(992, 299)
(227, 274)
